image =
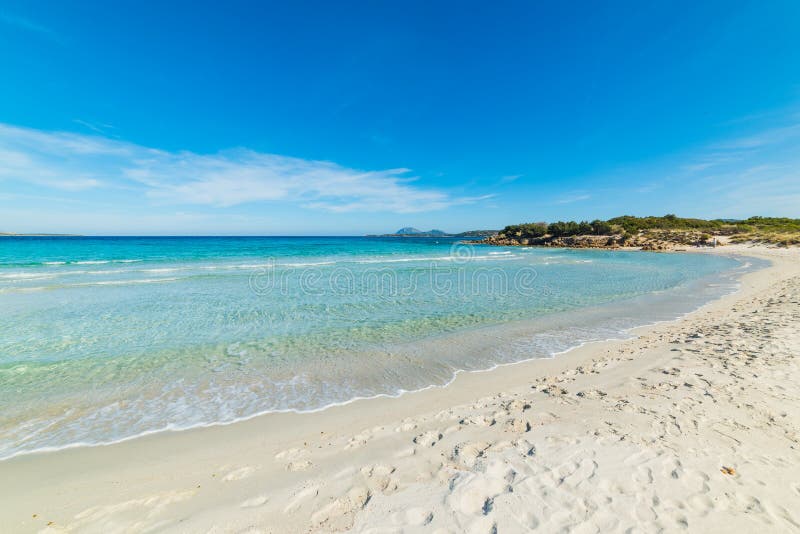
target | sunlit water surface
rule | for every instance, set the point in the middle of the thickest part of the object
(103, 339)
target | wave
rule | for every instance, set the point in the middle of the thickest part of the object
(26, 276)
(58, 268)
(100, 262)
(55, 263)
(23, 289)
(89, 284)
(124, 282)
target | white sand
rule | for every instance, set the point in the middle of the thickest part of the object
(693, 425)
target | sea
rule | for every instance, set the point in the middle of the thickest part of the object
(104, 339)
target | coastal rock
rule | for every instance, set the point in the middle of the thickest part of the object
(583, 241)
(657, 242)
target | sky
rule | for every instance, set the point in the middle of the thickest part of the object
(346, 118)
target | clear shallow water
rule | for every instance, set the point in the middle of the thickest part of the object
(103, 339)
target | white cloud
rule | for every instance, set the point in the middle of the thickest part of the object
(99, 128)
(69, 161)
(578, 197)
(756, 174)
(767, 137)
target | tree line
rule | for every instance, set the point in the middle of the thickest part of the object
(558, 229)
(631, 225)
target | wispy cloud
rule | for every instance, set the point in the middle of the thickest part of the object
(713, 159)
(577, 197)
(757, 173)
(510, 178)
(99, 127)
(649, 188)
(69, 161)
(766, 137)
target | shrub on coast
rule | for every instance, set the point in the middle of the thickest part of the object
(601, 227)
(525, 230)
(668, 222)
(670, 227)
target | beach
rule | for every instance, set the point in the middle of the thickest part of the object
(399, 268)
(691, 425)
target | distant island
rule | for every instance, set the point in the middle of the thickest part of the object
(410, 231)
(8, 234)
(650, 233)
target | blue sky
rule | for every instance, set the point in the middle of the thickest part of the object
(359, 117)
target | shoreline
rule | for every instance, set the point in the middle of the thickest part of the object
(203, 475)
(496, 330)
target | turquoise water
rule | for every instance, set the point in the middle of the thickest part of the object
(103, 339)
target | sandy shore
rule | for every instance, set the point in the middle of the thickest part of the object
(692, 425)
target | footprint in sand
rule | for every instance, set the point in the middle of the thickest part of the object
(417, 517)
(701, 504)
(502, 445)
(291, 454)
(451, 429)
(406, 452)
(406, 426)
(467, 454)
(524, 447)
(479, 420)
(582, 471)
(303, 494)
(238, 474)
(300, 465)
(642, 457)
(359, 440)
(591, 394)
(517, 425)
(379, 478)
(516, 406)
(142, 507)
(672, 468)
(377, 470)
(544, 418)
(428, 439)
(254, 502)
(474, 493)
(445, 415)
(643, 475)
(339, 513)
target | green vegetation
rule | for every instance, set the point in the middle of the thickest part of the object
(558, 229)
(525, 230)
(477, 233)
(772, 224)
(633, 224)
(413, 232)
(775, 230)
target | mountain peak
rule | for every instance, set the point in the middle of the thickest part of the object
(409, 230)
